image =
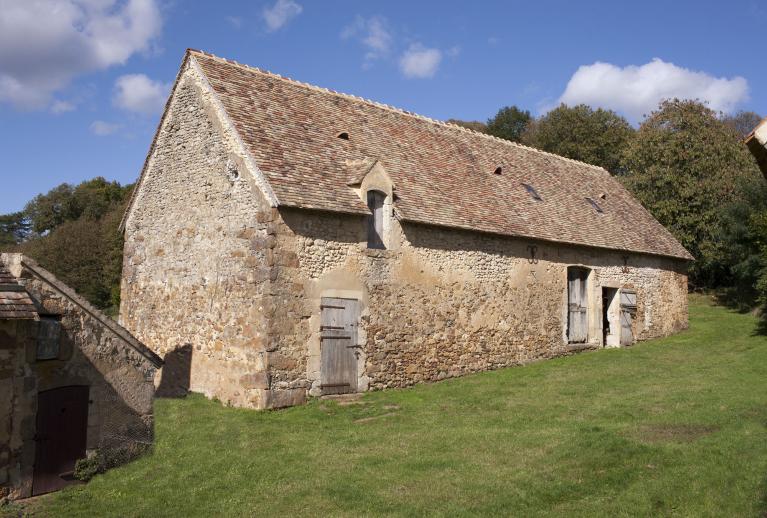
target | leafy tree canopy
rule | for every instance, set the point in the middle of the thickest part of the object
(509, 123)
(579, 132)
(683, 165)
(472, 125)
(742, 122)
(90, 199)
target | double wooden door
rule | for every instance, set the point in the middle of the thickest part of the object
(338, 345)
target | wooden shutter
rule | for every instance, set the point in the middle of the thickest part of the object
(577, 314)
(375, 220)
(628, 312)
(338, 345)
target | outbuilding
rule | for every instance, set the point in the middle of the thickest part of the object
(286, 241)
(73, 383)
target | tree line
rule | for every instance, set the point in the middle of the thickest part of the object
(73, 232)
(684, 162)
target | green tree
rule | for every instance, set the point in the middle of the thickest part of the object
(744, 245)
(579, 132)
(472, 125)
(742, 122)
(683, 165)
(76, 237)
(90, 199)
(509, 123)
(14, 228)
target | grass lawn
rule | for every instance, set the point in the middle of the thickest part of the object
(676, 426)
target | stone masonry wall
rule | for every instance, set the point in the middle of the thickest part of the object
(444, 302)
(120, 379)
(197, 249)
(211, 271)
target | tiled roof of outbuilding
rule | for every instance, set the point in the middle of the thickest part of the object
(443, 174)
(14, 299)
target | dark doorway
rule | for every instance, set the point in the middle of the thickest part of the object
(609, 324)
(62, 426)
(338, 345)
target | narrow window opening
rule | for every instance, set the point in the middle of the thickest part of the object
(343, 135)
(531, 190)
(48, 337)
(498, 170)
(595, 205)
(375, 219)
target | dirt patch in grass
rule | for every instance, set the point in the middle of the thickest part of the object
(673, 432)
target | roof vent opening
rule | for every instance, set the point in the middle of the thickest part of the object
(343, 135)
(602, 196)
(532, 192)
(595, 205)
(498, 170)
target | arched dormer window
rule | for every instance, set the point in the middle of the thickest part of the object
(376, 201)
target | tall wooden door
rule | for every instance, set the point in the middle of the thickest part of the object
(577, 314)
(62, 426)
(628, 310)
(338, 345)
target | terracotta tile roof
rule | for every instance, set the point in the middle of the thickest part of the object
(443, 173)
(14, 299)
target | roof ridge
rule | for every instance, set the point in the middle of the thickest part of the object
(401, 111)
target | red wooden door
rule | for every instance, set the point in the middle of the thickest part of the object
(62, 426)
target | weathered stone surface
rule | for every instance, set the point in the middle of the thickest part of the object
(91, 353)
(285, 398)
(437, 303)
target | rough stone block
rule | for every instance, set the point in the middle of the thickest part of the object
(255, 380)
(285, 398)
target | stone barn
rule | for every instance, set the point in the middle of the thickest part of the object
(73, 383)
(286, 241)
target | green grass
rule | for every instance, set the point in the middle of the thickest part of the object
(676, 426)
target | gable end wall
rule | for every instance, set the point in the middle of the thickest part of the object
(195, 286)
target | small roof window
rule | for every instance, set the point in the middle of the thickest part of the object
(531, 190)
(498, 170)
(595, 205)
(343, 135)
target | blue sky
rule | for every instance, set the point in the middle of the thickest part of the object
(82, 82)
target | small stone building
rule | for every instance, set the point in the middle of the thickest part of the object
(286, 241)
(73, 383)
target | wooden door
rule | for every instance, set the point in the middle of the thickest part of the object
(577, 314)
(628, 311)
(62, 426)
(338, 345)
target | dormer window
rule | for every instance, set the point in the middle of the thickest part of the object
(343, 135)
(376, 201)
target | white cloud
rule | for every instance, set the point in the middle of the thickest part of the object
(420, 62)
(58, 106)
(280, 13)
(103, 129)
(138, 93)
(234, 21)
(373, 33)
(45, 43)
(637, 90)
